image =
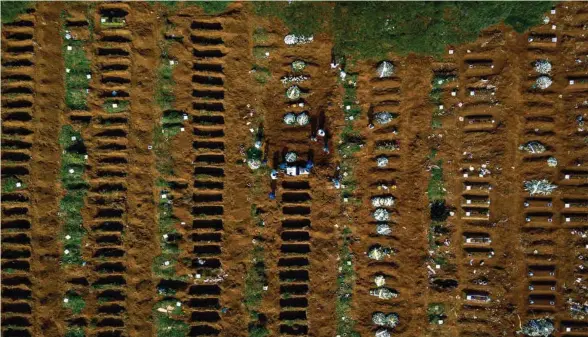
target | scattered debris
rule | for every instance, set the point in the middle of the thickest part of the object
(293, 93)
(538, 328)
(543, 66)
(383, 117)
(543, 82)
(381, 214)
(543, 187)
(385, 69)
(533, 147)
(292, 39)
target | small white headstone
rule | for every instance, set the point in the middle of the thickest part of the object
(18, 185)
(88, 76)
(67, 237)
(69, 48)
(182, 129)
(73, 138)
(554, 39)
(65, 300)
(472, 93)
(71, 171)
(450, 51)
(114, 105)
(568, 219)
(553, 27)
(553, 11)
(572, 82)
(567, 205)
(453, 93)
(67, 70)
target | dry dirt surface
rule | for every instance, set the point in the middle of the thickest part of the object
(132, 214)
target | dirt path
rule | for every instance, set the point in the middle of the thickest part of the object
(142, 230)
(45, 164)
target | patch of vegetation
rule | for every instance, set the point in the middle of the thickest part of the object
(74, 302)
(112, 105)
(11, 184)
(75, 331)
(169, 322)
(164, 94)
(12, 9)
(212, 7)
(255, 280)
(345, 282)
(78, 70)
(261, 74)
(72, 178)
(436, 189)
(372, 29)
(436, 313)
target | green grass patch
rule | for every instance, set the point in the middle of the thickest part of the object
(345, 282)
(371, 29)
(75, 331)
(255, 279)
(212, 7)
(260, 36)
(169, 324)
(164, 94)
(72, 178)
(75, 302)
(77, 67)
(112, 105)
(436, 312)
(12, 9)
(11, 184)
(436, 189)
(261, 74)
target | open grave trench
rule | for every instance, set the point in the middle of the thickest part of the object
(510, 252)
(18, 80)
(208, 132)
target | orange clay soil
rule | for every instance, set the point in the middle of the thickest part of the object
(528, 269)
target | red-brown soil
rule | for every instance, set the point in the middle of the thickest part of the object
(530, 268)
